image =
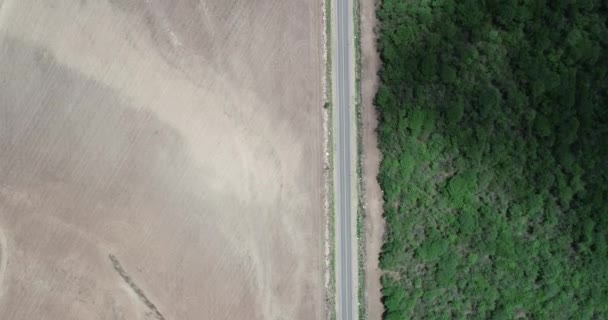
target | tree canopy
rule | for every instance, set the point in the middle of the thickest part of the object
(494, 134)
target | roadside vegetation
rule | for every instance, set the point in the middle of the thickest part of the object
(329, 171)
(362, 303)
(494, 132)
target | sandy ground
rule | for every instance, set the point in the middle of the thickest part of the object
(372, 195)
(183, 140)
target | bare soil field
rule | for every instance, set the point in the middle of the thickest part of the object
(161, 161)
(372, 195)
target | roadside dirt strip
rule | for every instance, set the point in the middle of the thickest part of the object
(372, 194)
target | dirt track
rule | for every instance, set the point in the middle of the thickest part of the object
(185, 141)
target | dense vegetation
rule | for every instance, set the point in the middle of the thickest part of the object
(494, 130)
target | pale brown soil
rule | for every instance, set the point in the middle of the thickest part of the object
(372, 195)
(183, 140)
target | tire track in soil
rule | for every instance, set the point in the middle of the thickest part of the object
(138, 291)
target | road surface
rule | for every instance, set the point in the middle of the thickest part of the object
(345, 143)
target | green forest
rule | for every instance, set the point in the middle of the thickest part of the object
(494, 134)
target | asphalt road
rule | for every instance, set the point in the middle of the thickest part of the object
(343, 72)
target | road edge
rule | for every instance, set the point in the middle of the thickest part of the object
(360, 219)
(328, 158)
